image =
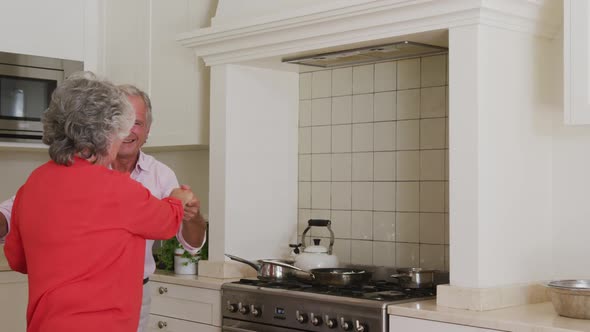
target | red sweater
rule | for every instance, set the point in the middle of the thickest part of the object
(79, 232)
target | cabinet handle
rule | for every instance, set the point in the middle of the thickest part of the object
(162, 290)
(162, 324)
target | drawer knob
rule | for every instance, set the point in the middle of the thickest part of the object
(162, 290)
(162, 324)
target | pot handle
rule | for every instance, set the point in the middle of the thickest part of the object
(400, 276)
(288, 266)
(245, 261)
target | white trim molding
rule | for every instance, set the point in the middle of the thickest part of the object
(338, 23)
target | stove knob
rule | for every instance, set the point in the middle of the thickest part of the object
(316, 320)
(359, 327)
(330, 322)
(256, 312)
(243, 309)
(345, 325)
(232, 307)
(301, 317)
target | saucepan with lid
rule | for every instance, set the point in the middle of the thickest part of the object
(269, 269)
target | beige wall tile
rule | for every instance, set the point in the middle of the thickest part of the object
(361, 252)
(384, 166)
(385, 106)
(407, 227)
(432, 196)
(433, 102)
(432, 228)
(384, 196)
(342, 81)
(341, 195)
(342, 110)
(384, 226)
(362, 137)
(342, 138)
(321, 167)
(321, 139)
(321, 111)
(385, 76)
(362, 196)
(408, 74)
(432, 133)
(362, 166)
(341, 224)
(385, 136)
(304, 195)
(432, 256)
(362, 108)
(434, 70)
(342, 251)
(305, 86)
(432, 165)
(408, 197)
(305, 140)
(304, 113)
(362, 225)
(362, 79)
(407, 255)
(321, 84)
(341, 167)
(320, 195)
(408, 135)
(384, 254)
(408, 104)
(408, 165)
(305, 167)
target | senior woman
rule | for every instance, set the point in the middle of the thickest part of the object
(78, 229)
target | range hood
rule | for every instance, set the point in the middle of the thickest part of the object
(399, 50)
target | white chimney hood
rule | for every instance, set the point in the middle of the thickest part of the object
(340, 24)
(491, 79)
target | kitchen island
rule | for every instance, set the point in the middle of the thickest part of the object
(540, 317)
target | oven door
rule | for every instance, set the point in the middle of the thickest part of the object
(232, 325)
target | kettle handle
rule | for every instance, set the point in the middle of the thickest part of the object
(319, 223)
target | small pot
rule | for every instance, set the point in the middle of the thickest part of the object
(415, 277)
(267, 271)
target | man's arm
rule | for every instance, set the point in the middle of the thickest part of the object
(193, 225)
(5, 214)
(3, 225)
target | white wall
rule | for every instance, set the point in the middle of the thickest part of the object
(191, 167)
(253, 161)
(501, 202)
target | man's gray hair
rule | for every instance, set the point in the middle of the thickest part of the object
(84, 116)
(131, 90)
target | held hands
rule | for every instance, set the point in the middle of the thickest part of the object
(184, 194)
(192, 208)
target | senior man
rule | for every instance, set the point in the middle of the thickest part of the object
(153, 175)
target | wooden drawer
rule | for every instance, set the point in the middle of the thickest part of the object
(189, 303)
(161, 323)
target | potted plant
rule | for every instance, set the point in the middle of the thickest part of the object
(171, 256)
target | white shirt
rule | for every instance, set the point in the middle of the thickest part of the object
(160, 180)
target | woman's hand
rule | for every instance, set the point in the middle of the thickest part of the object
(186, 196)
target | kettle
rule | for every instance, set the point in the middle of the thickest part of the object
(315, 256)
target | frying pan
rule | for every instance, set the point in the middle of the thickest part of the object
(268, 270)
(338, 277)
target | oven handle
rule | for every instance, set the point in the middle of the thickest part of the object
(235, 329)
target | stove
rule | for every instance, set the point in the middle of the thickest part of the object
(254, 305)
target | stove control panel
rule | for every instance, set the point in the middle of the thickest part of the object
(303, 314)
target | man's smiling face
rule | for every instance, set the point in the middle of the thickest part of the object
(139, 132)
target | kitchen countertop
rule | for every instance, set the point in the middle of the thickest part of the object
(189, 280)
(540, 317)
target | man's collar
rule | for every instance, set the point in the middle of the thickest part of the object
(142, 162)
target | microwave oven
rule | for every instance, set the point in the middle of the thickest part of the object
(26, 85)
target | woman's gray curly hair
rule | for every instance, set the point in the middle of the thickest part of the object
(84, 116)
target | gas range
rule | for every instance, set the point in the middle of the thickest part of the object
(254, 305)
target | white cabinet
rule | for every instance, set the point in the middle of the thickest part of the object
(140, 48)
(181, 308)
(406, 324)
(576, 57)
(14, 294)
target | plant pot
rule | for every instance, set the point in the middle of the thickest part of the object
(183, 265)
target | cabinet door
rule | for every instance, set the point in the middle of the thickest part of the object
(126, 42)
(163, 323)
(576, 57)
(179, 86)
(188, 303)
(13, 301)
(403, 324)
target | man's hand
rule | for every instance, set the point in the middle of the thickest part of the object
(192, 209)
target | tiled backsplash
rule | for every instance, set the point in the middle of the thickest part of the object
(373, 158)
